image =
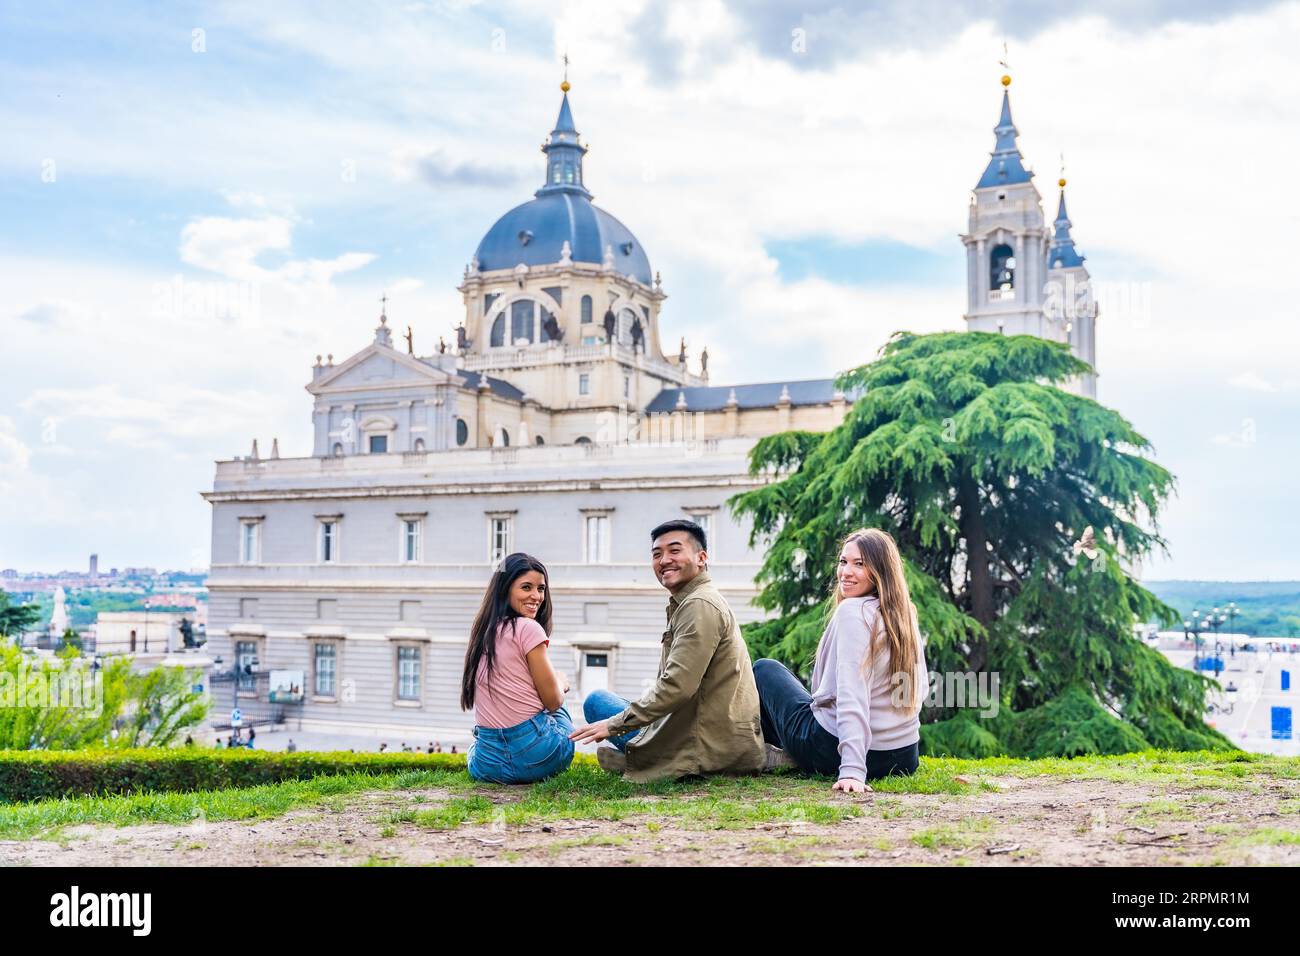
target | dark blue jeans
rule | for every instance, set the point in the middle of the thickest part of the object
(785, 707)
(525, 753)
(601, 705)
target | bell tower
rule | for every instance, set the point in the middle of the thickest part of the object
(1070, 300)
(1006, 243)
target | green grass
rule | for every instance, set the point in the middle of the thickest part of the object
(44, 817)
(585, 792)
(1270, 836)
(1158, 810)
(962, 835)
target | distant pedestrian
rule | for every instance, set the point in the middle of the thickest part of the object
(292, 747)
(437, 746)
(430, 749)
(189, 741)
(453, 748)
(252, 733)
(383, 746)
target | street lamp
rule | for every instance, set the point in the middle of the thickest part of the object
(1192, 628)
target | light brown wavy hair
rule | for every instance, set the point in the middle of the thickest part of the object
(896, 624)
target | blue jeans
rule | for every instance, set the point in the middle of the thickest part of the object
(788, 722)
(601, 705)
(525, 753)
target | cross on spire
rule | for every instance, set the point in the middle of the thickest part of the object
(383, 306)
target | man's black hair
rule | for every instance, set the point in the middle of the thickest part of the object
(682, 524)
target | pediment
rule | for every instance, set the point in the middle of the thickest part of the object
(378, 366)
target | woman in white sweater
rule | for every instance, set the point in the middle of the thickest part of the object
(862, 719)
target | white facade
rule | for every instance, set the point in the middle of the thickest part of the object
(556, 425)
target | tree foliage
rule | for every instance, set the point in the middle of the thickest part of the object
(38, 711)
(988, 473)
(16, 618)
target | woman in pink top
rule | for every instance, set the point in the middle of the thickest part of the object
(521, 729)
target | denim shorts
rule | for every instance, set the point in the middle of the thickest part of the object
(525, 753)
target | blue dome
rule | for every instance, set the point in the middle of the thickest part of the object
(535, 232)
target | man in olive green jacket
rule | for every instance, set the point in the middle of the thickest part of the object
(701, 715)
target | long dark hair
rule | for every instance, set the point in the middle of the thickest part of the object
(494, 610)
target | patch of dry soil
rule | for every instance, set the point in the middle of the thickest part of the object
(1040, 821)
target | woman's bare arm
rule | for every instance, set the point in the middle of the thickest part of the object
(551, 686)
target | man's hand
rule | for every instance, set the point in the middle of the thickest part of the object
(591, 733)
(849, 785)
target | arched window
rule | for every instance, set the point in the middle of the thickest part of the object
(498, 332)
(586, 309)
(338, 449)
(521, 321)
(505, 437)
(419, 444)
(462, 431)
(625, 319)
(1002, 268)
(582, 440)
(537, 439)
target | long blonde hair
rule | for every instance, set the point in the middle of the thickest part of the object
(897, 619)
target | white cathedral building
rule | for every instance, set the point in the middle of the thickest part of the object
(560, 425)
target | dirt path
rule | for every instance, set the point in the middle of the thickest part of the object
(1026, 821)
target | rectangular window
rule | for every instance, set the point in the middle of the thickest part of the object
(705, 521)
(411, 540)
(248, 609)
(329, 540)
(499, 538)
(408, 611)
(245, 657)
(627, 386)
(584, 384)
(250, 542)
(378, 444)
(326, 669)
(596, 541)
(408, 672)
(327, 609)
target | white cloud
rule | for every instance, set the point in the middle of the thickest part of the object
(1253, 382)
(152, 421)
(1174, 182)
(15, 456)
(231, 247)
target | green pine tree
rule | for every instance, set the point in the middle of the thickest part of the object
(965, 448)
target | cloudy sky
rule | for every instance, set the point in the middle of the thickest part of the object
(199, 199)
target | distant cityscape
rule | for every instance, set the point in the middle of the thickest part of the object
(94, 591)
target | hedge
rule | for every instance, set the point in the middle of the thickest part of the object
(44, 774)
